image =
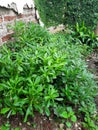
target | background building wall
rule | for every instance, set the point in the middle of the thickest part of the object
(11, 13)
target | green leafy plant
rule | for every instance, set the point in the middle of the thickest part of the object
(88, 123)
(67, 114)
(85, 35)
(51, 12)
(45, 73)
(30, 33)
(70, 12)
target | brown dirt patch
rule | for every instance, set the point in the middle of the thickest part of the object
(92, 61)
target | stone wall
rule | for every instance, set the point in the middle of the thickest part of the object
(8, 16)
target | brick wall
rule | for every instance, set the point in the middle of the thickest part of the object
(9, 16)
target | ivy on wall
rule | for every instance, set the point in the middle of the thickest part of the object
(68, 11)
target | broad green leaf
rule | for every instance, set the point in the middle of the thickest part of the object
(47, 111)
(74, 118)
(4, 128)
(5, 110)
(68, 124)
(64, 114)
(28, 112)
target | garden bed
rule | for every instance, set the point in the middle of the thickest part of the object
(47, 74)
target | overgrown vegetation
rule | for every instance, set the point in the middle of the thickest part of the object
(84, 35)
(44, 72)
(68, 12)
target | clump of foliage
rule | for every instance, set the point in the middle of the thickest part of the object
(30, 33)
(46, 76)
(70, 12)
(79, 11)
(84, 35)
(52, 11)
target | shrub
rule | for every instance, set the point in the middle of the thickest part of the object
(54, 12)
(51, 12)
(46, 77)
(79, 11)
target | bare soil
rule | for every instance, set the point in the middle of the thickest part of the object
(92, 61)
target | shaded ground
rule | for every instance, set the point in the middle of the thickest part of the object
(41, 122)
(93, 67)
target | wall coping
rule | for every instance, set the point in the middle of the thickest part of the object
(17, 5)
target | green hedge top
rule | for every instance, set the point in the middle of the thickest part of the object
(68, 11)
